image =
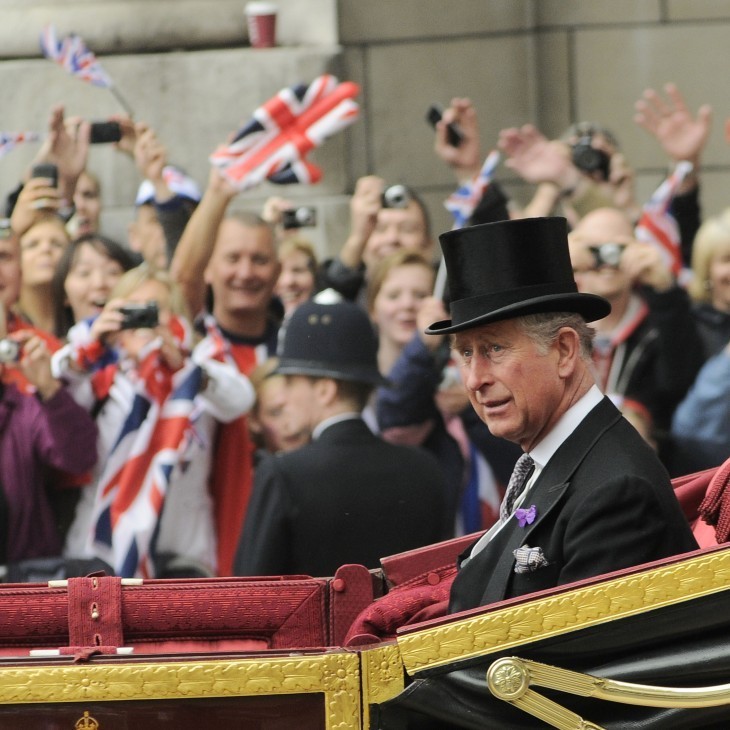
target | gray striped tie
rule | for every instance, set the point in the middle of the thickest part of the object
(516, 484)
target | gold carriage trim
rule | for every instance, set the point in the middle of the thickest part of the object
(336, 675)
(511, 678)
(382, 676)
(504, 629)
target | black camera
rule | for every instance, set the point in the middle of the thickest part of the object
(47, 170)
(590, 160)
(137, 316)
(454, 135)
(303, 217)
(9, 351)
(396, 196)
(607, 254)
(105, 132)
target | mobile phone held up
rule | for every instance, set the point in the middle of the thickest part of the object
(105, 132)
(454, 136)
(46, 170)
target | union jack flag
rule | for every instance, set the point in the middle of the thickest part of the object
(274, 144)
(72, 55)
(462, 202)
(152, 442)
(656, 224)
(8, 140)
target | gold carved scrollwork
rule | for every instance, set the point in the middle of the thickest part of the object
(500, 630)
(335, 675)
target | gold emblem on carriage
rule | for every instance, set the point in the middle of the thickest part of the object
(86, 723)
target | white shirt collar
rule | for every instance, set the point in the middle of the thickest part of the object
(543, 452)
(322, 425)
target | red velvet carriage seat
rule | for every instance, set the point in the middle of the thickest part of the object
(83, 616)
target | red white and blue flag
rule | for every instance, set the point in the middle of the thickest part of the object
(72, 55)
(275, 143)
(8, 140)
(151, 444)
(462, 202)
(658, 226)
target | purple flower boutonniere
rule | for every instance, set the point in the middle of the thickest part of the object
(526, 516)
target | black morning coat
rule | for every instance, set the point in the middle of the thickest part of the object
(348, 497)
(603, 502)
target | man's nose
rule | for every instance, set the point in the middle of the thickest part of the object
(478, 373)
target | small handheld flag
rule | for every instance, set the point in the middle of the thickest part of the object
(8, 140)
(72, 54)
(461, 204)
(274, 144)
(656, 224)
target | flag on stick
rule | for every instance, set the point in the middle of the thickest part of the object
(274, 144)
(72, 54)
(656, 224)
(8, 140)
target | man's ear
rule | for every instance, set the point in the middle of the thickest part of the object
(568, 348)
(326, 390)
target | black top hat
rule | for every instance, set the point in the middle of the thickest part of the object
(331, 341)
(501, 270)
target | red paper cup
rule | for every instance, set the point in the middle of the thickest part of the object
(261, 21)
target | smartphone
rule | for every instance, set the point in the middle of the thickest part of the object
(47, 170)
(454, 136)
(105, 132)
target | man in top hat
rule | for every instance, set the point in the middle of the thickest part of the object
(348, 496)
(589, 496)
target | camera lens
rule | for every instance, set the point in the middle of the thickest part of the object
(305, 216)
(9, 351)
(396, 196)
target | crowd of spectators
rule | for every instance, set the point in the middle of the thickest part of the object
(140, 389)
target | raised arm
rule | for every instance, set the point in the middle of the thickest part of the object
(196, 243)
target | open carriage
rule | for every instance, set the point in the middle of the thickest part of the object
(647, 647)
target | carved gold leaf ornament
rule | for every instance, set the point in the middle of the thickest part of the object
(335, 675)
(503, 629)
(382, 676)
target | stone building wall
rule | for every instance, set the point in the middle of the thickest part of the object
(185, 66)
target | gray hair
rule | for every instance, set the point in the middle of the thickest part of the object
(543, 328)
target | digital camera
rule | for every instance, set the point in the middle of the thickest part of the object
(396, 196)
(105, 132)
(9, 350)
(607, 254)
(137, 316)
(590, 160)
(304, 217)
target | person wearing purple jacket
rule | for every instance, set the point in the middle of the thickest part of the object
(39, 433)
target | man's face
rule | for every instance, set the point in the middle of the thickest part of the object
(242, 270)
(147, 237)
(283, 426)
(597, 228)
(301, 399)
(9, 271)
(513, 386)
(397, 228)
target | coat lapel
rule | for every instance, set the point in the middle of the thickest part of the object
(545, 494)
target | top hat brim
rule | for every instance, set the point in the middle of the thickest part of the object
(590, 306)
(316, 369)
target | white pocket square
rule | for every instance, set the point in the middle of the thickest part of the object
(529, 559)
